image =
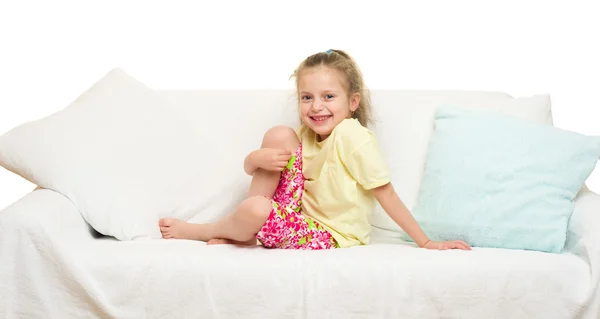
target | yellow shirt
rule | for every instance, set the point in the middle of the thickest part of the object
(339, 172)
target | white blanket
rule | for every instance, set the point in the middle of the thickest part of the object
(51, 267)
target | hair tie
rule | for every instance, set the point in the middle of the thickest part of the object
(329, 51)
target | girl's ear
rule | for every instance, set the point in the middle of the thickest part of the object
(354, 101)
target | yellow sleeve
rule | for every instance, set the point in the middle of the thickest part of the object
(362, 156)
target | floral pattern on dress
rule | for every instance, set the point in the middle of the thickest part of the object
(287, 227)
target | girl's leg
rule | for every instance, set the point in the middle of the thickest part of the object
(241, 226)
(264, 183)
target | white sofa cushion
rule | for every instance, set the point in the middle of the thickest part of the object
(122, 154)
(238, 120)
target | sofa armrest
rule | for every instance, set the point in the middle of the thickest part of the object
(45, 213)
(39, 236)
(583, 240)
(584, 224)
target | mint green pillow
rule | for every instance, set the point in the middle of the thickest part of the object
(498, 181)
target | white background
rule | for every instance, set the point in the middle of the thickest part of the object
(51, 51)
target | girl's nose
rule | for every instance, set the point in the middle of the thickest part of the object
(317, 106)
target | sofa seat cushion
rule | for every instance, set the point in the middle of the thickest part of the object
(390, 279)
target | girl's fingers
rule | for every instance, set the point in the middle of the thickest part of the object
(462, 245)
(465, 245)
(277, 166)
(455, 245)
(284, 153)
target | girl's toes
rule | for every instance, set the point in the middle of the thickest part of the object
(166, 222)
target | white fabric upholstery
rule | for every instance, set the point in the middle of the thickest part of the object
(53, 266)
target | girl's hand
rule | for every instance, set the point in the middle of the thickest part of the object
(443, 245)
(271, 159)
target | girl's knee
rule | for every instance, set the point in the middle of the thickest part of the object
(256, 208)
(281, 136)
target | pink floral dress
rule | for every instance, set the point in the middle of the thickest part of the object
(287, 227)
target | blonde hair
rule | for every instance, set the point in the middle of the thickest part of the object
(353, 82)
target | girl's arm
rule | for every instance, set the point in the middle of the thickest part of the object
(270, 159)
(395, 208)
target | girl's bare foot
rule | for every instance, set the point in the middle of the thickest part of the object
(178, 229)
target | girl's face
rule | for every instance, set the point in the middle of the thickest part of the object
(324, 101)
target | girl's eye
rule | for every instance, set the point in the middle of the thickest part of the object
(329, 96)
(305, 97)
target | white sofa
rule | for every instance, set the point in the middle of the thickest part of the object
(55, 265)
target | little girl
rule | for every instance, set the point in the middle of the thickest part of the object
(315, 188)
